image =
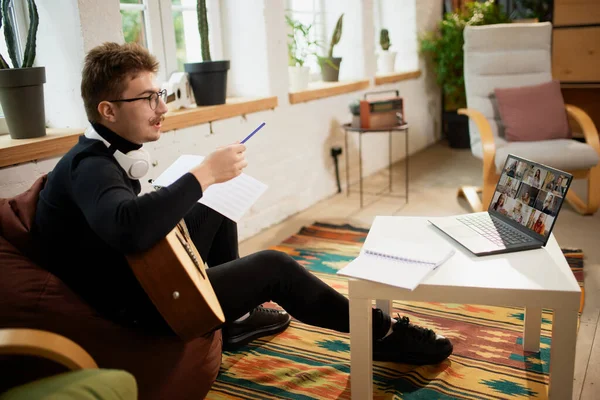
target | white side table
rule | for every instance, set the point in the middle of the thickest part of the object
(533, 279)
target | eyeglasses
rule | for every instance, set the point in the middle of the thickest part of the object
(153, 99)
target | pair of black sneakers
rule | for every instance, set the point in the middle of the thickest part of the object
(408, 343)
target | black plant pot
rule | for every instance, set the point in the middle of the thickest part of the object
(329, 72)
(456, 129)
(22, 98)
(209, 81)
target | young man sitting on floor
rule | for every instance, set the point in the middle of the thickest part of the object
(90, 214)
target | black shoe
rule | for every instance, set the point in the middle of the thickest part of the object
(411, 344)
(261, 322)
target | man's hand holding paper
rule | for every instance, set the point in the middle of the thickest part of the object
(221, 165)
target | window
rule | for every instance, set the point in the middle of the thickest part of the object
(169, 29)
(310, 12)
(133, 16)
(399, 17)
(187, 38)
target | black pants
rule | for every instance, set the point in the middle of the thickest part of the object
(241, 284)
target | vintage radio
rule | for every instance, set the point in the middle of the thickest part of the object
(381, 113)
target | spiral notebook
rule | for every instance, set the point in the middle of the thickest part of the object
(398, 263)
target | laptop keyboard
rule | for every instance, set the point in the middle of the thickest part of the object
(497, 231)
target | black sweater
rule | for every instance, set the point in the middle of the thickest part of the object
(89, 215)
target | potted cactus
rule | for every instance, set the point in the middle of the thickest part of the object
(207, 78)
(330, 65)
(21, 86)
(386, 59)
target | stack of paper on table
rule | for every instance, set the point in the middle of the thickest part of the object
(231, 199)
(398, 263)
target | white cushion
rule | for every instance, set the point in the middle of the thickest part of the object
(563, 154)
(502, 56)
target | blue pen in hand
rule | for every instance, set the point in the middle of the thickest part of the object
(252, 134)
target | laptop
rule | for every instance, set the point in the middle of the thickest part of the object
(522, 213)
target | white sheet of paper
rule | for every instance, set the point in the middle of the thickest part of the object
(231, 199)
(397, 273)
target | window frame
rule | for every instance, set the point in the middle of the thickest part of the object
(378, 11)
(160, 31)
(318, 13)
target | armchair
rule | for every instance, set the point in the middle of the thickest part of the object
(513, 55)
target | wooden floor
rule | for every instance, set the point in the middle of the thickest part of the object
(435, 175)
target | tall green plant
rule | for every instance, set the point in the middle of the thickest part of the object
(203, 29)
(11, 40)
(336, 36)
(445, 47)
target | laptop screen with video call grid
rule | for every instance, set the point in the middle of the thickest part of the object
(530, 194)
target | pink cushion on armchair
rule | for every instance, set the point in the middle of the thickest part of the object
(533, 113)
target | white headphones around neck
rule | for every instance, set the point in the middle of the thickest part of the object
(136, 163)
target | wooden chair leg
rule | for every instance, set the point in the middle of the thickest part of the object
(593, 190)
(471, 194)
(489, 185)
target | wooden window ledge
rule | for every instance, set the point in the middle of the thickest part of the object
(397, 77)
(58, 141)
(320, 90)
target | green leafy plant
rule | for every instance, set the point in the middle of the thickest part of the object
(445, 47)
(384, 39)
(538, 9)
(354, 107)
(203, 29)
(11, 40)
(300, 45)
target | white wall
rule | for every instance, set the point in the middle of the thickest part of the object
(291, 154)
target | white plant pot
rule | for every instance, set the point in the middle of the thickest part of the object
(386, 61)
(299, 77)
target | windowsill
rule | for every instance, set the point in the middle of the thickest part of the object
(320, 90)
(58, 141)
(397, 77)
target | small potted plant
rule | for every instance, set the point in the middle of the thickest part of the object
(386, 59)
(354, 108)
(22, 86)
(300, 47)
(330, 65)
(207, 78)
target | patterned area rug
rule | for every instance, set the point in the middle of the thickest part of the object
(306, 362)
